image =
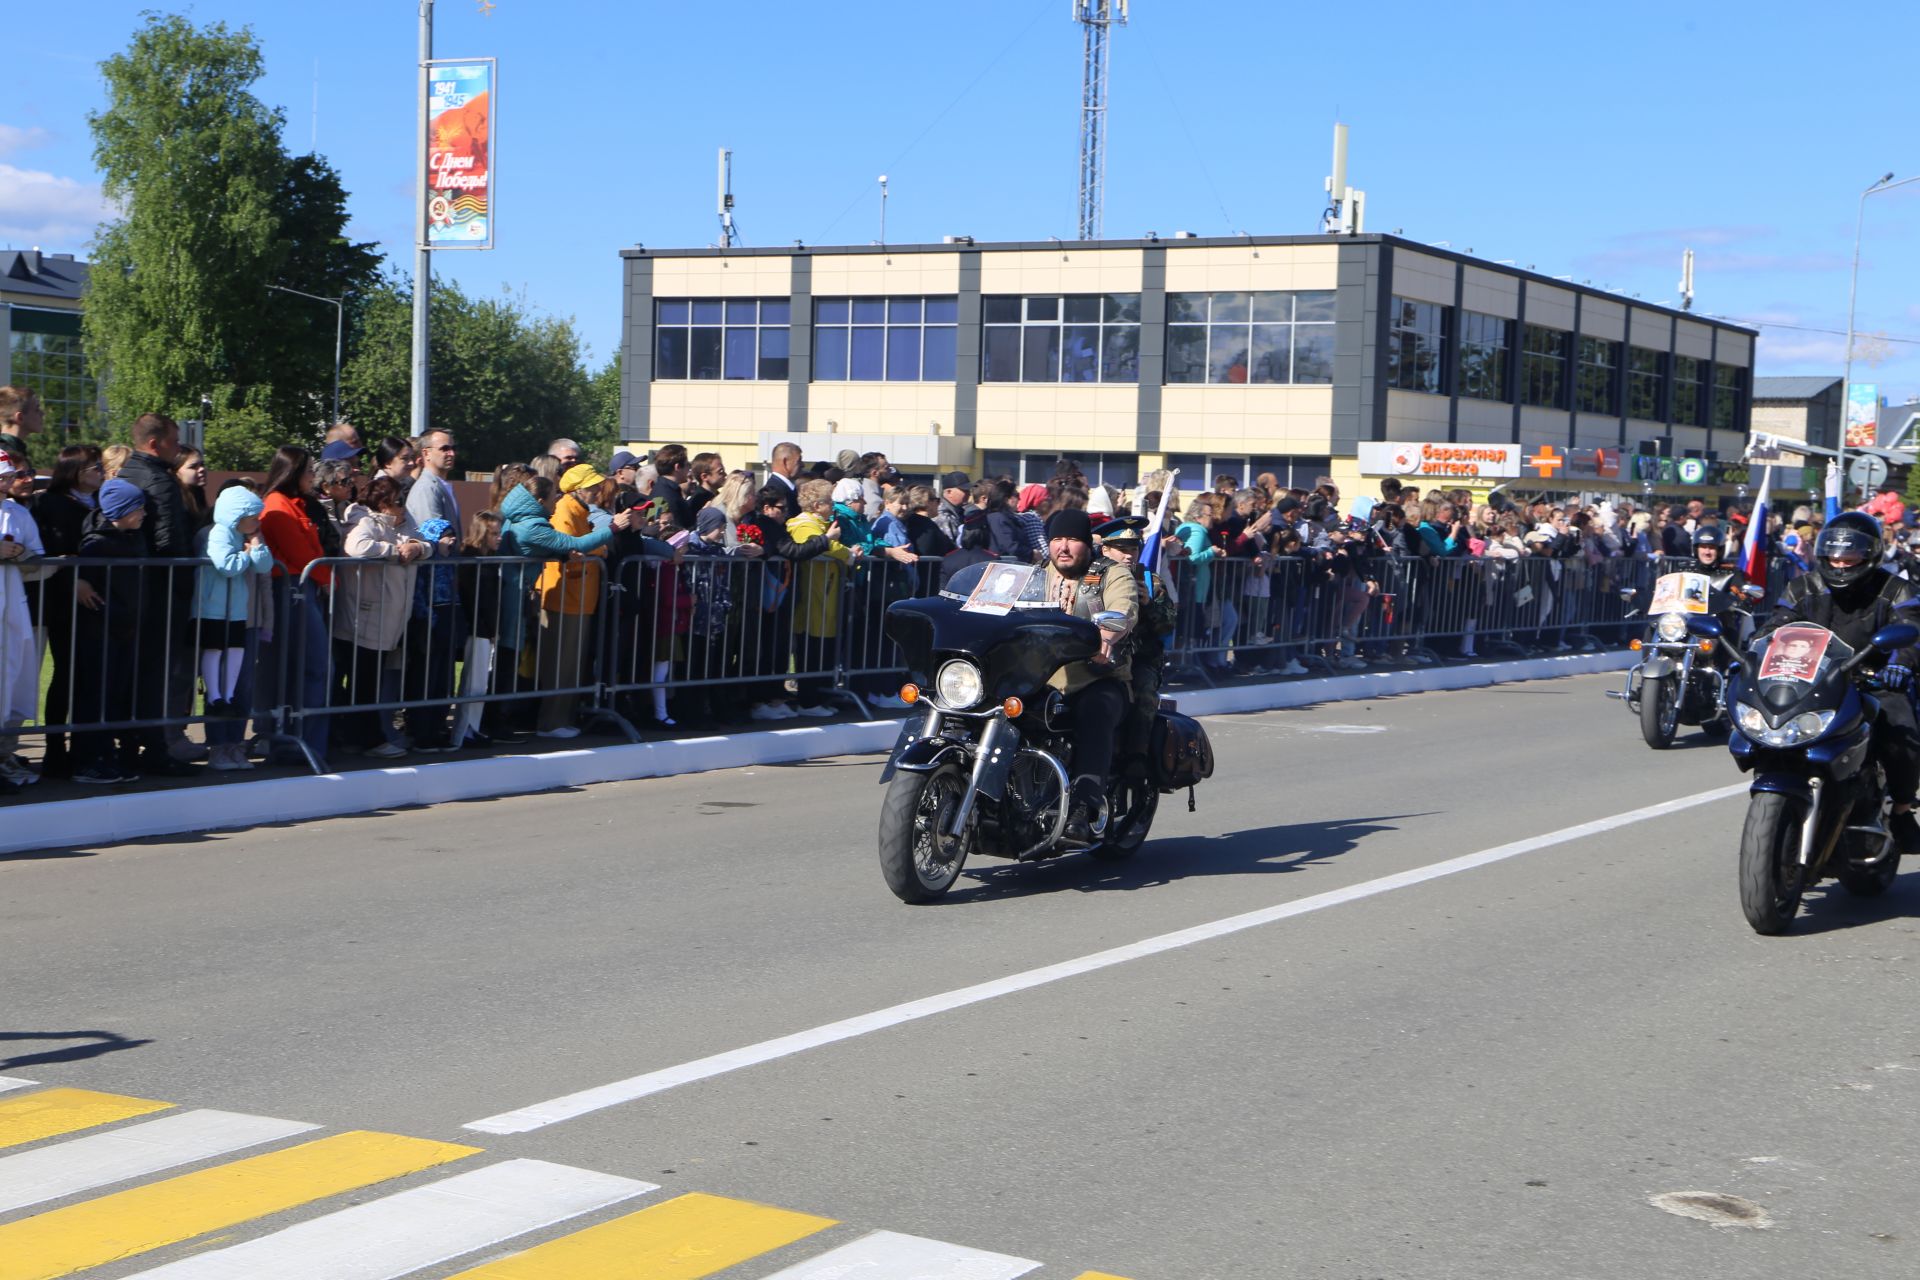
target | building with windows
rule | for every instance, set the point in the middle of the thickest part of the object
(40, 346)
(1307, 356)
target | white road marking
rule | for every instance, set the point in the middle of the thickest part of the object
(81, 1164)
(416, 1228)
(541, 1114)
(15, 1082)
(887, 1255)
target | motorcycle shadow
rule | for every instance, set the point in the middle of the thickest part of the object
(1261, 851)
(1831, 909)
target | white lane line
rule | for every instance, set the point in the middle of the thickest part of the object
(417, 1228)
(15, 1082)
(886, 1255)
(81, 1164)
(541, 1114)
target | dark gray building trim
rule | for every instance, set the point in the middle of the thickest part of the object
(1626, 375)
(1673, 360)
(1378, 325)
(800, 343)
(1573, 378)
(1153, 349)
(1713, 370)
(1451, 373)
(636, 362)
(1516, 376)
(966, 349)
(1354, 340)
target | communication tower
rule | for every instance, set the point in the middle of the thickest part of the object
(1098, 18)
(725, 199)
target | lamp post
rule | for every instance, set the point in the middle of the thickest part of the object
(339, 327)
(1853, 293)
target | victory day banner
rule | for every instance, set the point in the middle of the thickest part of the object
(460, 98)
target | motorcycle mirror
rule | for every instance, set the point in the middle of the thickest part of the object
(1108, 620)
(1897, 636)
(1754, 591)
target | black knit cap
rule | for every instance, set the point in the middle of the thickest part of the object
(1070, 523)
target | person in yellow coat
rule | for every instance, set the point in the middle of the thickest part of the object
(816, 615)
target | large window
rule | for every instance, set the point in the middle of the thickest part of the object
(1198, 471)
(1689, 398)
(1250, 337)
(1646, 372)
(1543, 366)
(1485, 346)
(1598, 388)
(1417, 347)
(712, 338)
(1089, 337)
(1121, 470)
(884, 339)
(48, 359)
(1729, 381)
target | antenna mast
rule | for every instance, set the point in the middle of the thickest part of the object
(725, 202)
(1686, 280)
(1098, 17)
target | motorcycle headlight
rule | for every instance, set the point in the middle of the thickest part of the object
(959, 684)
(1672, 626)
(1804, 727)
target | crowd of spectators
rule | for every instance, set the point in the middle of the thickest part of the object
(350, 585)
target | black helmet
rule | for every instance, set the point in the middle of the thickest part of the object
(1710, 535)
(1854, 534)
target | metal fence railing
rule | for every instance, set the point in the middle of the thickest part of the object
(393, 652)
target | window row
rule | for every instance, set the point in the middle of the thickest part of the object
(55, 367)
(1268, 337)
(1555, 369)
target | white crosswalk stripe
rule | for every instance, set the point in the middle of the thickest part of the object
(887, 1255)
(416, 1228)
(82, 1164)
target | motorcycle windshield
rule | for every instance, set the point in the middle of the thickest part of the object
(1007, 625)
(1799, 667)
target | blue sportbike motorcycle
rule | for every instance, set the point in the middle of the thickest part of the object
(1804, 717)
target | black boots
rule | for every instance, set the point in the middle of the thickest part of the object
(1087, 811)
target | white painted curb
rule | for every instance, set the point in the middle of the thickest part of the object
(110, 819)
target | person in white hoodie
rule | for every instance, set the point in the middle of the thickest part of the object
(238, 563)
(20, 547)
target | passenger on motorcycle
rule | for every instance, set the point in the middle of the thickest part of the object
(1852, 596)
(1120, 543)
(1099, 690)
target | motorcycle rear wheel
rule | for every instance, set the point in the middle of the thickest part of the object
(1771, 877)
(920, 862)
(1659, 712)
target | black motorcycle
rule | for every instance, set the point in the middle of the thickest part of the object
(984, 762)
(1681, 676)
(1803, 726)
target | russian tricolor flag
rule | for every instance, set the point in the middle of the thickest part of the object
(1833, 491)
(1150, 545)
(1753, 552)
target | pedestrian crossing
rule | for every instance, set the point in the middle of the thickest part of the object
(201, 1196)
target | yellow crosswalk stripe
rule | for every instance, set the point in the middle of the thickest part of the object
(132, 1222)
(1097, 1275)
(52, 1112)
(685, 1238)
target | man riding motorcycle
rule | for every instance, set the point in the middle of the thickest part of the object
(1099, 690)
(1852, 596)
(1710, 561)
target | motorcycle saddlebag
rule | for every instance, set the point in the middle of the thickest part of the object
(1178, 753)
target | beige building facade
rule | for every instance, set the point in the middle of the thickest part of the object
(1241, 355)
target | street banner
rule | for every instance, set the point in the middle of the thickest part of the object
(1863, 415)
(460, 103)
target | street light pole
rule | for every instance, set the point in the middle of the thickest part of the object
(1853, 293)
(339, 329)
(422, 255)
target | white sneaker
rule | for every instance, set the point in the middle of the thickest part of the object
(563, 733)
(888, 701)
(1351, 664)
(770, 711)
(18, 775)
(385, 751)
(1294, 667)
(817, 713)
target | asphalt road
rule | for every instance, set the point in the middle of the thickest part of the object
(1487, 1073)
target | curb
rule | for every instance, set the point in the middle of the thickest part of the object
(105, 820)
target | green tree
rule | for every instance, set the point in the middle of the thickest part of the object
(212, 210)
(505, 379)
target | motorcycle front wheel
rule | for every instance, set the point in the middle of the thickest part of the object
(1771, 877)
(1659, 712)
(919, 860)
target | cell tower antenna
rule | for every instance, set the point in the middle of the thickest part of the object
(1686, 280)
(1098, 18)
(725, 200)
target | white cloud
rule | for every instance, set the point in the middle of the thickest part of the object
(15, 138)
(38, 208)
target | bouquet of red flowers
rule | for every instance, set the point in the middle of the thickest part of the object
(749, 533)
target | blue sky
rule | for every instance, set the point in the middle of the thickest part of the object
(1595, 141)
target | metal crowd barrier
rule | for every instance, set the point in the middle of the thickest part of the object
(390, 657)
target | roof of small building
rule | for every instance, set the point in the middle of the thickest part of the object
(29, 273)
(1792, 388)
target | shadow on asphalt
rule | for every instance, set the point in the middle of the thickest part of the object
(1264, 851)
(97, 1043)
(1834, 909)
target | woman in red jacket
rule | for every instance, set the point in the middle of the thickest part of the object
(290, 534)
